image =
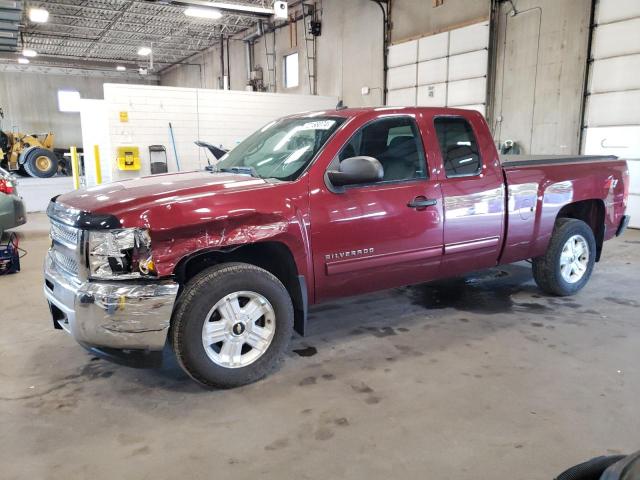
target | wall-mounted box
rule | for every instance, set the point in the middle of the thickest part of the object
(128, 158)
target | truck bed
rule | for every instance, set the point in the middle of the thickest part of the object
(539, 186)
(511, 161)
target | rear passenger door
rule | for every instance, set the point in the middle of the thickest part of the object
(473, 193)
(379, 235)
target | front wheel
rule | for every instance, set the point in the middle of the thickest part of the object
(568, 263)
(232, 325)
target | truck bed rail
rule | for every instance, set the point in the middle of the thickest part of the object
(511, 161)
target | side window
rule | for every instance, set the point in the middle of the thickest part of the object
(395, 142)
(458, 146)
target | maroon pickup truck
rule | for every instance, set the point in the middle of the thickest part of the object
(223, 264)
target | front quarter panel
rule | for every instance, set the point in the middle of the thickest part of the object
(194, 225)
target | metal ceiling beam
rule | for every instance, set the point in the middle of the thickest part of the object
(106, 31)
(159, 23)
(125, 34)
(174, 6)
(110, 31)
(9, 66)
(158, 47)
(236, 9)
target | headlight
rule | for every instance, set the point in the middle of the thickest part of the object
(120, 254)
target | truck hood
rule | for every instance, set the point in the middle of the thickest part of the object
(145, 193)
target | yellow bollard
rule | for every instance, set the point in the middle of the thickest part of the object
(75, 168)
(96, 156)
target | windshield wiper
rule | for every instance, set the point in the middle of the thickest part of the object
(241, 170)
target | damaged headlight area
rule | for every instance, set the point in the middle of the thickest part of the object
(120, 254)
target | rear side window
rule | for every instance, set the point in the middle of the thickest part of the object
(458, 146)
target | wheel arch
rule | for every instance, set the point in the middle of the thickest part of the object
(592, 212)
(24, 155)
(273, 256)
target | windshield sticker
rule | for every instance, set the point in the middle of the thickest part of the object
(319, 125)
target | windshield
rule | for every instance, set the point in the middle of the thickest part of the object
(281, 149)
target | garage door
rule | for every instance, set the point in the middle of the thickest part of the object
(448, 69)
(612, 114)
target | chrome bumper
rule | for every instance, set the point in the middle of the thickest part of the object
(120, 315)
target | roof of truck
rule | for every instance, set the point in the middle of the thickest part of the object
(356, 112)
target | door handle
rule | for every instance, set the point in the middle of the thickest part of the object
(422, 202)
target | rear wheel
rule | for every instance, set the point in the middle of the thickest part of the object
(568, 263)
(41, 162)
(232, 324)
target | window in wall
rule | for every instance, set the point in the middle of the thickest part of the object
(68, 100)
(458, 146)
(291, 70)
(395, 142)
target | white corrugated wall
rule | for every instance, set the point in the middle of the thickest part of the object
(612, 114)
(448, 69)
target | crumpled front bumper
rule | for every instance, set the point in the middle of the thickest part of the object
(118, 315)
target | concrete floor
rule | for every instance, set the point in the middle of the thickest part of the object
(483, 379)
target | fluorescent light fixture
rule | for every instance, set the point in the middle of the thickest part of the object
(209, 13)
(144, 51)
(121, 68)
(240, 8)
(28, 52)
(38, 15)
(23, 60)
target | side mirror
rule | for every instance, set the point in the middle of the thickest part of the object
(356, 170)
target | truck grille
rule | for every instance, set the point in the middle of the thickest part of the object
(65, 240)
(65, 262)
(64, 234)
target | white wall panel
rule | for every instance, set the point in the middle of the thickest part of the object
(615, 108)
(432, 95)
(405, 97)
(218, 116)
(450, 68)
(614, 10)
(401, 77)
(615, 73)
(95, 131)
(621, 141)
(619, 38)
(613, 104)
(468, 39)
(479, 107)
(633, 205)
(403, 54)
(633, 209)
(467, 92)
(468, 65)
(433, 46)
(432, 71)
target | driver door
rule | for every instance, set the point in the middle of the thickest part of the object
(376, 236)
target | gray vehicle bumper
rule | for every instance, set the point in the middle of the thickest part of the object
(116, 315)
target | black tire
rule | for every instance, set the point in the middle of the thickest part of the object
(200, 295)
(34, 168)
(546, 269)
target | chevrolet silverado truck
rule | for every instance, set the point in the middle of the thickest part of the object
(223, 264)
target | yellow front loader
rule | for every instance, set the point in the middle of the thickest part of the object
(29, 154)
